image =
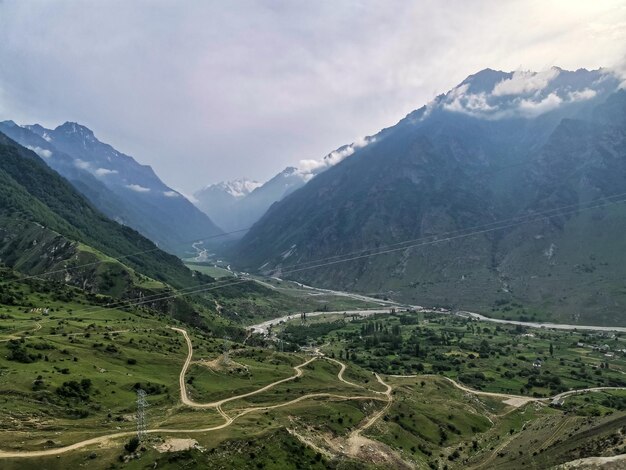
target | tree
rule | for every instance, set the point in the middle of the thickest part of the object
(132, 445)
(551, 350)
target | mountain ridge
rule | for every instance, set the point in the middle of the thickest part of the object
(466, 159)
(128, 192)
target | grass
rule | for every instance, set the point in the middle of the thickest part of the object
(501, 358)
(210, 270)
(429, 422)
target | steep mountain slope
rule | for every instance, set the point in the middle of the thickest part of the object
(499, 147)
(116, 184)
(48, 225)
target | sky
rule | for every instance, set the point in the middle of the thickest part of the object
(205, 91)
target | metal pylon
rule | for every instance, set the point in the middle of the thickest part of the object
(142, 404)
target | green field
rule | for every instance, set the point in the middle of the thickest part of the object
(70, 368)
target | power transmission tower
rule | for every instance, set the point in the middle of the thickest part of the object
(226, 356)
(142, 404)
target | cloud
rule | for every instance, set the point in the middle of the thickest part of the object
(525, 82)
(581, 95)
(458, 100)
(43, 153)
(104, 172)
(137, 188)
(531, 108)
(309, 168)
(210, 75)
(525, 94)
(82, 164)
(170, 194)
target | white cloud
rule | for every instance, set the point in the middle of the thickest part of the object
(345, 68)
(581, 95)
(137, 188)
(104, 172)
(458, 100)
(170, 194)
(524, 82)
(309, 168)
(530, 108)
(43, 153)
(82, 164)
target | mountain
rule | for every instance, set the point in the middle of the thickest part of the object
(115, 183)
(239, 204)
(498, 147)
(50, 233)
(48, 226)
(219, 201)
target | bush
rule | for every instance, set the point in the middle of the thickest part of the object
(75, 390)
(132, 445)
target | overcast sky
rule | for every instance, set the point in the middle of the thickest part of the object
(211, 90)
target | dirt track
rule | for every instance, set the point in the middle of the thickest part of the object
(228, 420)
(355, 439)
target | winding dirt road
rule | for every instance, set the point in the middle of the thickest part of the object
(228, 420)
(355, 438)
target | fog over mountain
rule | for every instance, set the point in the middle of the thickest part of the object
(213, 92)
(128, 192)
(497, 149)
(237, 205)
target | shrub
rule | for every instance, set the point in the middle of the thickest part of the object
(132, 445)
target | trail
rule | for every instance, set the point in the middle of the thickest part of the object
(513, 400)
(189, 402)
(356, 440)
(228, 420)
(341, 371)
(375, 418)
(263, 328)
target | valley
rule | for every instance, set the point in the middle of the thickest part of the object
(359, 261)
(220, 394)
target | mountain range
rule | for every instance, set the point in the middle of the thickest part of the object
(237, 205)
(126, 191)
(483, 198)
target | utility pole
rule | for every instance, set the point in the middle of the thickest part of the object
(142, 404)
(226, 356)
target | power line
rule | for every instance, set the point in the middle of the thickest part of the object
(95, 263)
(436, 236)
(198, 289)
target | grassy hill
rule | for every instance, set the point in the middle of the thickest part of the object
(71, 373)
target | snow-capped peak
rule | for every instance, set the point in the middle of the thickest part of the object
(236, 188)
(492, 94)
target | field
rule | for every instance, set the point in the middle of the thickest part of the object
(497, 358)
(402, 390)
